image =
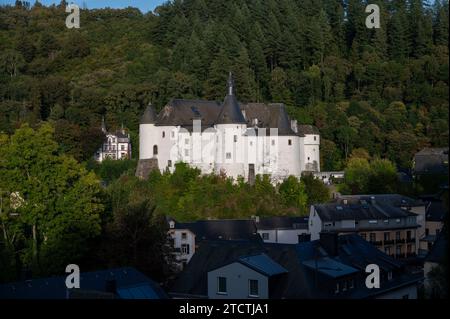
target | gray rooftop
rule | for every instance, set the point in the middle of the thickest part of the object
(299, 281)
(358, 211)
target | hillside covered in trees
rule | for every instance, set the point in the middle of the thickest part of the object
(383, 90)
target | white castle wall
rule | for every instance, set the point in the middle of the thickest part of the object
(207, 150)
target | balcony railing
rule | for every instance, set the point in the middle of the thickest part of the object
(400, 241)
(389, 242)
(376, 242)
(410, 240)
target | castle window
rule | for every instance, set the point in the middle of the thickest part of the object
(308, 158)
(163, 134)
(273, 142)
(235, 138)
(228, 155)
(173, 134)
(315, 138)
(155, 149)
(186, 141)
(290, 142)
(122, 147)
(169, 163)
(186, 152)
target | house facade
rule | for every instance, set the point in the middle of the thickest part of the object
(237, 139)
(393, 223)
(282, 229)
(332, 267)
(116, 146)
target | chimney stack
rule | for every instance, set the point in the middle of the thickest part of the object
(330, 242)
(294, 126)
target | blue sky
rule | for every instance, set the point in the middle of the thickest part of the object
(143, 5)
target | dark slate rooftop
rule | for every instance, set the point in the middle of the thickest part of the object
(435, 211)
(308, 130)
(439, 249)
(149, 116)
(130, 284)
(300, 281)
(263, 264)
(330, 267)
(226, 229)
(182, 112)
(282, 222)
(396, 200)
(431, 161)
(369, 211)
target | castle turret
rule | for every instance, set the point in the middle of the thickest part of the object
(231, 126)
(147, 140)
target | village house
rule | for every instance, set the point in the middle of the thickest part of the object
(332, 267)
(393, 223)
(116, 146)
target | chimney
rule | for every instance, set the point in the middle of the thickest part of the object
(330, 242)
(294, 126)
(111, 286)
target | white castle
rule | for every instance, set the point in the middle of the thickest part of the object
(232, 138)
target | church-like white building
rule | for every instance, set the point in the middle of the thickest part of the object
(239, 140)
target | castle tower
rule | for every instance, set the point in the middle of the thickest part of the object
(147, 138)
(231, 126)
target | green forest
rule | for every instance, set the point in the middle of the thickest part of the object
(376, 95)
(384, 90)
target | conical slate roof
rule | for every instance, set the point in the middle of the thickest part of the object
(231, 112)
(284, 124)
(149, 116)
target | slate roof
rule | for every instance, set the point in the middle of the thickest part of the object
(435, 211)
(396, 200)
(439, 249)
(330, 267)
(335, 212)
(300, 281)
(226, 229)
(431, 161)
(130, 283)
(282, 222)
(182, 112)
(263, 264)
(149, 116)
(308, 130)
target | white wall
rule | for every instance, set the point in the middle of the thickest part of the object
(238, 277)
(178, 241)
(209, 153)
(314, 224)
(283, 236)
(311, 150)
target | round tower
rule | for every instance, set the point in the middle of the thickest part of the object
(148, 146)
(230, 141)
